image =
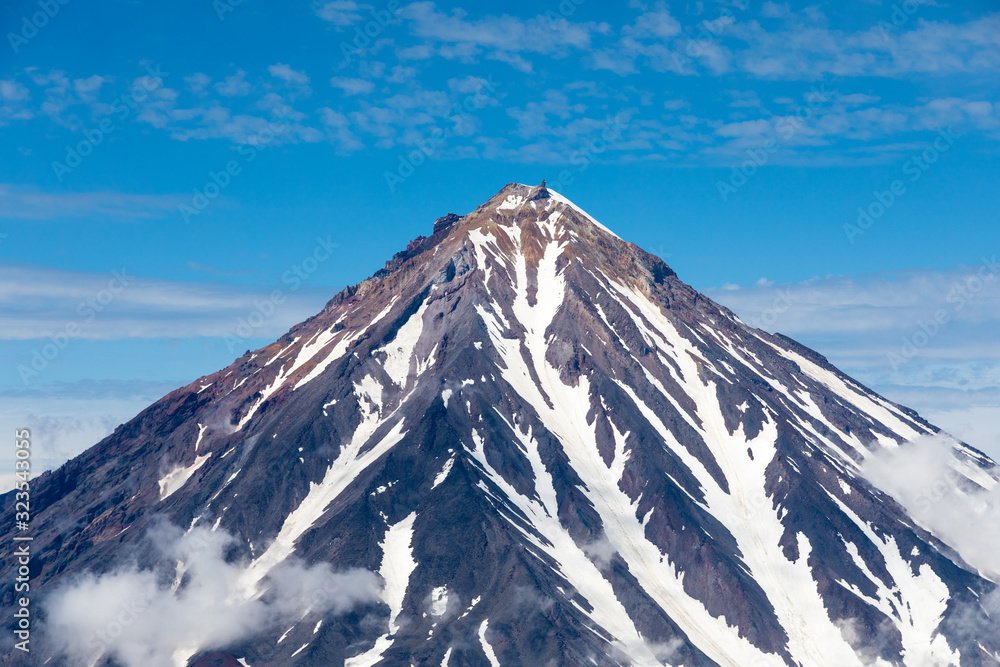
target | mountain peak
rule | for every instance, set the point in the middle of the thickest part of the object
(551, 451)
(519, 219)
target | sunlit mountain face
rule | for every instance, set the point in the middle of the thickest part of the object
(524, 441)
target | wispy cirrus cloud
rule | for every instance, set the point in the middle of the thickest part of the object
(889, 301)
(40, 302)
(18, 202)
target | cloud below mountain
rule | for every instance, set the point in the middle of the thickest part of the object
(930, 481)
(147, 618)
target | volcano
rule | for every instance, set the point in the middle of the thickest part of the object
(539, 447)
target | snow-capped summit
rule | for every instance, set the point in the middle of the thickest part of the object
(545, 449)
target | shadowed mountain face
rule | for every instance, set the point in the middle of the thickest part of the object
(550, 450)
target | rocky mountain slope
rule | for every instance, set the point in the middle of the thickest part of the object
(523, 442)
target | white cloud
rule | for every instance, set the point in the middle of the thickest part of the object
(197, 82)
(931, 479)
(12, 91)
(896, 301)
(539, 34)
(613, 60)
(288, 75)
(852, 127)
(600, 550)
(338, 127)
(775, 10)
(744, 99)
(341, 13)
(515, 60)
(234, 113)
(656, 24)
(280, 124)
(468, 84)
(978, 425)
(415, 52)
(809, 49)
(235, 85)
(351, 86)
(66, 419)
(131, 615)
(87, 88)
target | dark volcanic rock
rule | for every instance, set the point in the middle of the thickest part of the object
(552, 451)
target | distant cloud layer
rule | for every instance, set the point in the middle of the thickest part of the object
(25, 203)
(123, 304)
(924, 338)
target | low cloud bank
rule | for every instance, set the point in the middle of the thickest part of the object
(946, 493)
(196, 601)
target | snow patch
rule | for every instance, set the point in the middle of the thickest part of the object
(511, 202)
(439, 601)
(397, 567)
(444, 472)
(349, 464)
(487, 649)
(178, 477)
(399, 352)
(201, 434)
(563, 200)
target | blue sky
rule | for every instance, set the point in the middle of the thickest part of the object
(838, 159)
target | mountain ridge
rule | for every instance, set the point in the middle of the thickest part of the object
(549, 448)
